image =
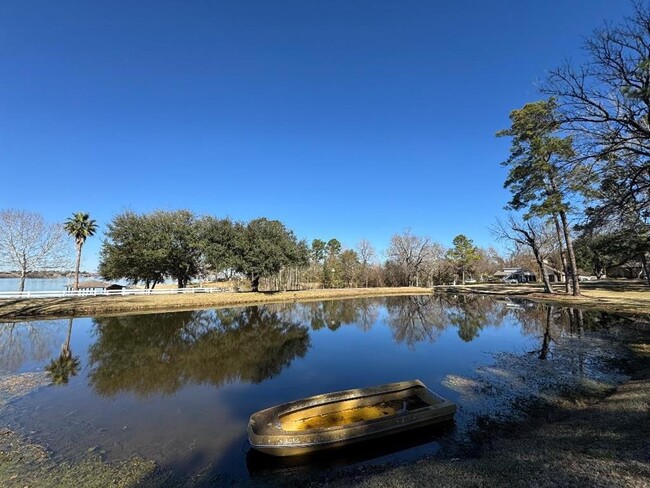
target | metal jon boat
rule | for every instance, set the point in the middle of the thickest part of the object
(345, 417)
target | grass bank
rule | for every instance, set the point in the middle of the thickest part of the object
(617, 296)
(14, 309)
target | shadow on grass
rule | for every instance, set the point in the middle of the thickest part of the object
(19, 308)
(621, 285)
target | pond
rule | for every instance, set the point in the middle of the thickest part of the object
(179, 388)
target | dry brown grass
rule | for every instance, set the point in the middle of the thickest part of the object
(622, 296)
(11, 310)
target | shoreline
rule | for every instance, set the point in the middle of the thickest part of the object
(614, 297)
(626, 297)
(53, 308)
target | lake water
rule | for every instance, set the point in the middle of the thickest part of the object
(35, 284)
(179, 388)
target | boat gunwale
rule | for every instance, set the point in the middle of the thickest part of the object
(273, 439)
(348, 440)
(294, 406)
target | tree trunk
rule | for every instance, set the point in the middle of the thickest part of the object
(565, 266)
(23, 275)
(644, 263)
(76, 267)
(540, 262)
(572, 257)
(255, 283)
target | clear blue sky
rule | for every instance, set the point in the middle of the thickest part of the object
(346, 119)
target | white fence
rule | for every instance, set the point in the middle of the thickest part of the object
(95, 292)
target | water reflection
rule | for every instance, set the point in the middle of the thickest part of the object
(423, 318)
(335, 313)
(149, 354)
(61, 369)
(23, 342)
(475, 350)
(161, 353)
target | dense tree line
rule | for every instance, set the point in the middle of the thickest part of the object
(148, 248)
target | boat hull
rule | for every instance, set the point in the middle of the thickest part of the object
(363, 414)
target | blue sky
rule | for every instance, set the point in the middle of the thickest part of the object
(346, 119)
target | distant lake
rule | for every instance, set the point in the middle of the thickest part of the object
(35, 284)
(44, 284)
(179, 387)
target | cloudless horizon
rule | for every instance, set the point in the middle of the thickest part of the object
(347, 120)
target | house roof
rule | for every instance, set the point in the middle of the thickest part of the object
(90, 284)
(513, 271)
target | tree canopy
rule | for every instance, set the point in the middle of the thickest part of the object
(266, 247)
(150, 247)
(464, 255)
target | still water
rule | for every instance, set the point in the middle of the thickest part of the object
(179, 388)
(35, 284)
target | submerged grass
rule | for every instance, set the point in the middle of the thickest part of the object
(25, 464)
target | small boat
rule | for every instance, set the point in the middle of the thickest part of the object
(345, 417)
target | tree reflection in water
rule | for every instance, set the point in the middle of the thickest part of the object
(160, 353)
(422, 318)
(21, 342)
(61, 369)
(335, 313)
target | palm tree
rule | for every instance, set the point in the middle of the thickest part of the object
(80, 226)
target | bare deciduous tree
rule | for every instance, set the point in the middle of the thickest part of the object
(532, 233)
(29, 243)
(411, 254)
(366, 254)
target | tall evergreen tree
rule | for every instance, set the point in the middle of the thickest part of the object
(464, 254)
(542, 176)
